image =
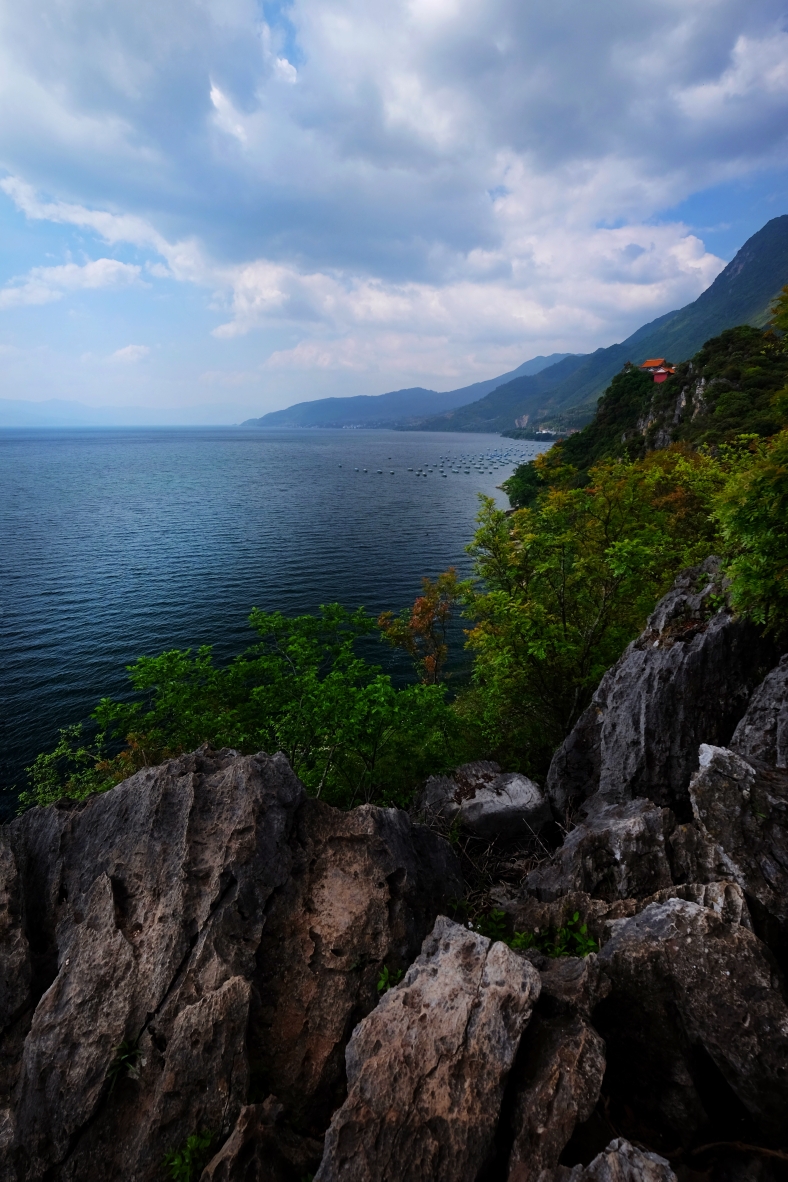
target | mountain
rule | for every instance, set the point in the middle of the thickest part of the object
(740, 294)
(61, 412)
(396, 407)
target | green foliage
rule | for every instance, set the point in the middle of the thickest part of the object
(572, 939)
(422, 630)
(753, 512)
(779, 311)
(388, 978)
(74, 769)
(492, 925)
(609, 434)
(127, 1062)
(187, 1163)
(302, 689)
(567, 583)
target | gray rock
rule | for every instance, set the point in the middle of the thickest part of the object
(617, 852)
(763, 732)
(145, 910)
(363, 892)
(689, 989)
(426, 1070)
(686, 680)
(741, 811)
(488, 802)
(556, 1086)
(620, 1162)
(261, 1148)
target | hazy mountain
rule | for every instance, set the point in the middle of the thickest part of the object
(740, 294)
(396, 407)
(59, 412)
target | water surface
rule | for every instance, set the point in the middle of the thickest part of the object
(115, 543)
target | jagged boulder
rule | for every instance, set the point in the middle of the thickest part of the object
(487, 802)
(363, 891)
(426, 1069)
(685, 681)
(620, 1162)
(144, 911)
(696, 1024)
(741, 811)
(763, 732)
(617, 852)
(557, 1082)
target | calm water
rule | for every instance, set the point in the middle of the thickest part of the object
(115, 543)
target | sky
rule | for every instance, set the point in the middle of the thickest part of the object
(233, 205)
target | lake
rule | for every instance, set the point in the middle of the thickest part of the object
(115, 543)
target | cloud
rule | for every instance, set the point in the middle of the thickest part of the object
(130, 354)
(43, 285)
(437, 187)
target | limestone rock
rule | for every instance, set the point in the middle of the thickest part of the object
(363, 892)
(558, 1079)
(686, 680)
(152, 914)
(694, 1000)
(488, 802)
(620, 1162)
(617, 852)
(426, 1069)
(741, 806)
(763, 732)
(262, 1149)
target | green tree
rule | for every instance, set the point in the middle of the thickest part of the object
(567, 583)
(753, 513)
(779, 310)
(302, 689)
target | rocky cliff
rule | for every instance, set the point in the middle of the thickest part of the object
(206, 974)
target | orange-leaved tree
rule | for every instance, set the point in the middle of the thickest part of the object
(423, 630)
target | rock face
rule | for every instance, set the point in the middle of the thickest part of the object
(696, 1011)
(427, 1068)
(763, 732)
(561, 1065)
(686, 680)
(487, 802)
(145, 973)
(620, 1162)
(741, 811)
(617, 852)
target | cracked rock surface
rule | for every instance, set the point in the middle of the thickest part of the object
(686, 680)
(427, 1068)
(141, 975)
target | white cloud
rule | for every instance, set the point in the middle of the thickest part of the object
(440, 187)
(130, 354)
(43, 285)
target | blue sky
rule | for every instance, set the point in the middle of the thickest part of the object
(236, 205)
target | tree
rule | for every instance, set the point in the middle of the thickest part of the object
(423, 630)
(753, 513)
(779, 310)
(567, 583)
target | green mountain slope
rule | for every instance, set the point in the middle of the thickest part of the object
(735, 385)
(396, 407)
(740, 294)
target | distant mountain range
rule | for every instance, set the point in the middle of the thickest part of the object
(62, 412)
(740, 294)
(397, 408)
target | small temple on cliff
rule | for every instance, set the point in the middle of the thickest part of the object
(658, 367)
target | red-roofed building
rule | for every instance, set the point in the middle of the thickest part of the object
(657, 367)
